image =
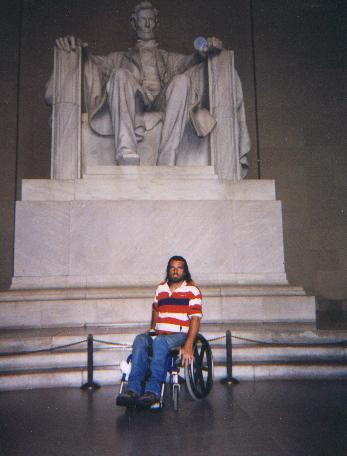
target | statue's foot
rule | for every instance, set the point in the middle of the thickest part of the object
(130, 159)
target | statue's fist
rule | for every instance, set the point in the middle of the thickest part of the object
(68, 43)
(214, 44)
(205, 46)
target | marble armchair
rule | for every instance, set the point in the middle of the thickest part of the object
(76, 148)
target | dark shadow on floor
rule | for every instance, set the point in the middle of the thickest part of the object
(291, 418)
(331, 313)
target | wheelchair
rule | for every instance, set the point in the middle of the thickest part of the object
(198, 375)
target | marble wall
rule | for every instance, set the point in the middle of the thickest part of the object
(300, 69)
(102, 243)
(9, 38)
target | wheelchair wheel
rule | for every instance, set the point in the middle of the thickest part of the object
(199, 373)
(175, 396)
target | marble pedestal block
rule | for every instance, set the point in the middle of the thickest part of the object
(72, 234)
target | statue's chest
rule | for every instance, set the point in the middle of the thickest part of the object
(149, 65)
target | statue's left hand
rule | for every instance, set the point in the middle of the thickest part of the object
(214, 44)
(211, 45)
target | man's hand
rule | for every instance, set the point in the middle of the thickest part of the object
(186, 354)
(186, 351)
(68, 43)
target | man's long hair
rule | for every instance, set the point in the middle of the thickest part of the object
(187, 276)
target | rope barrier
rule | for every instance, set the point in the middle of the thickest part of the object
(116, 344)
(90, 385)
(229, 379)
(213, 339)
(45, 350)
(216, 338)
(287, 344)
(280, 344)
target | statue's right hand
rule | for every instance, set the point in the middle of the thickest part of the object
(68, 43)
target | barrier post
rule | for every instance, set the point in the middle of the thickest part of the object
(90, 385)
(229, 379)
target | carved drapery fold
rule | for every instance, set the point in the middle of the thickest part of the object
(229, 140)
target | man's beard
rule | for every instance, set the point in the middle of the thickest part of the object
(176, 279)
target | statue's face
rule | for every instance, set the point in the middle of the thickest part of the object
(145, 24)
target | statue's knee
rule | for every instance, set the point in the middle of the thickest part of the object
(120, 76)
(180, 82)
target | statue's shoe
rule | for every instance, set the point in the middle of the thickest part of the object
(130, 159)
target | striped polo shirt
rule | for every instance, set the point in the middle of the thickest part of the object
(176, 308)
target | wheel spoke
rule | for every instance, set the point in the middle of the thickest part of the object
(201, 355)
(200, 380)
(200, 372)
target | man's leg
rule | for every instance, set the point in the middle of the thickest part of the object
(139, 369)
(178, 96)
(122, 90)
(139, 363)
(161, 347)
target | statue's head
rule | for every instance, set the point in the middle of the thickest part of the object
(145, 20)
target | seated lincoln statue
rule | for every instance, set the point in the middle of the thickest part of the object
(128, 93)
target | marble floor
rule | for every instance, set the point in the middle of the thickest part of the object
(292, 418)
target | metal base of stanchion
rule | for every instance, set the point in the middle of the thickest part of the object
(229, 381)
(90, 387)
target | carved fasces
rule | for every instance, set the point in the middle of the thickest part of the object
(66, 114)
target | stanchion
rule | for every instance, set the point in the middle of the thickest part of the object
(90, 385)
(229, 379)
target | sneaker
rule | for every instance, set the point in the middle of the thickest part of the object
(127, 399)
(146, 400)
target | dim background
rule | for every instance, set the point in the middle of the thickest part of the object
(291, 57)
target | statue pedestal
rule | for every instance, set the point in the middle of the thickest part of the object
(92, 250)
(119, 226)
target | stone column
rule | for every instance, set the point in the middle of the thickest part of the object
(66, 115)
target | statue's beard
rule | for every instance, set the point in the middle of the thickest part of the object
(145, 35)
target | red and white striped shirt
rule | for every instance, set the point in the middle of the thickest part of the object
(176, 308)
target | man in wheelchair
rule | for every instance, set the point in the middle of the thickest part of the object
(176, 314)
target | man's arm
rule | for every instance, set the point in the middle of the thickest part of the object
(186, 351)
(154, 319)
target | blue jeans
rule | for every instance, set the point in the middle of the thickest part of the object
(141, 364)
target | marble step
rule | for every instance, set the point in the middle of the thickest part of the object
(53, 378)
(308, 354)
(119, 183)
(132, 306)
(24, 340)
(145, 292)
(316, 354)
